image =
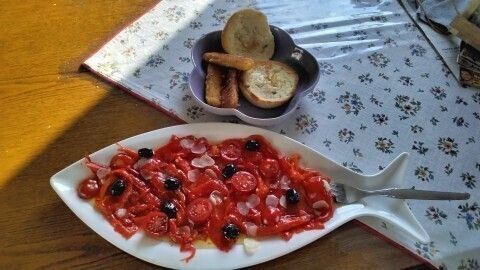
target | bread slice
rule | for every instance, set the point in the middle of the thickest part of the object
(229, 92)
(269, 84)
(247, 34)
(213, 85)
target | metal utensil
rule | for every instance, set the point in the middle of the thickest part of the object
(347, 194)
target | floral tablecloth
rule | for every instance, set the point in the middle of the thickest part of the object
(383, 90)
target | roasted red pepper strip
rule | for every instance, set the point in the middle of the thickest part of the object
(285, 224)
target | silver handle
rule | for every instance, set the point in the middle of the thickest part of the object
(420, 194)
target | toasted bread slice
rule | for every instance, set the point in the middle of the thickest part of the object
(230, 90)
(247, 34)
(269, 84)
(213, 85)
(229, 60)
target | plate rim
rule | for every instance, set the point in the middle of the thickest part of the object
(170, 130)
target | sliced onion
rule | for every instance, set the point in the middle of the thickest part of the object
(253, 201)
(250, 245)
(193, 175)
(161, 176)
(251, 228)
(242, 208)
(216, 197)
(203, 161)
(271, 200)
(320, 204)
(102, 173)
(187, 143)
(284, 182)
(210, 173)
(140, 163)
(326, 185)
(283, 201)
(121, 212)
(198, 149)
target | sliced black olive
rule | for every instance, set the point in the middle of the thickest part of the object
(169, 209)
(292, 196)
(229, 170)
(145, 152)
(171, 183)
(252, 145)
(117, 188)
(230, 231)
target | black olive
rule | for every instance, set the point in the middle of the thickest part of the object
(292, 196)
(117, 188)
(145, 152)
(171, 183)
(252, 145)
(229, 170)
(230, 231)
(169, 209)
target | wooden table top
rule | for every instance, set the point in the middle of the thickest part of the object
(52, 114)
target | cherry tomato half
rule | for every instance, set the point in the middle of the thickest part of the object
(88, 189)
(155, 224)
(231, 150)
(199, 210)
(244, 181)
(122, 161)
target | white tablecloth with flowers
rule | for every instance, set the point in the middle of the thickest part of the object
(383, 90)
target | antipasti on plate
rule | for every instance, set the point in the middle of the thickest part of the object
(219, 196)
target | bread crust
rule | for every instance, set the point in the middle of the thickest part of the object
(247, 33)
(213, 85)
(229, 94)
(229, 60)
(283, 87)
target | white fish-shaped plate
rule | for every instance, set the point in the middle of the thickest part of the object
(163, 253)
